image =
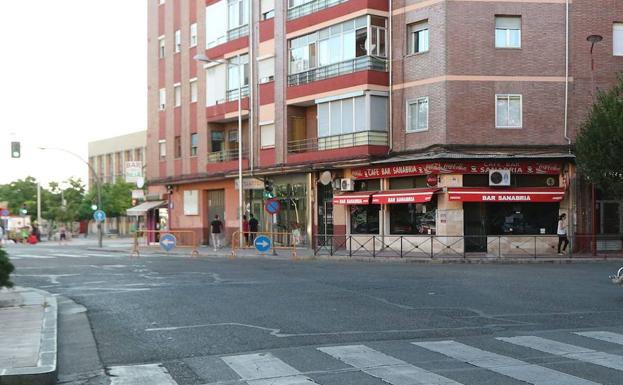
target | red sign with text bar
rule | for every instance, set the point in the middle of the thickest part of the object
(421, 195)
(358, 198)
(447, 167)
(525, 194)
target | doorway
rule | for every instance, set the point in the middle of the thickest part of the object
(216, 206)
(474, 227)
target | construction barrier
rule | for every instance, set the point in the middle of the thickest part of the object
(280, 241)
(184, 239)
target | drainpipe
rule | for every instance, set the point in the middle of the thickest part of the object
(390, 55)
(251, 86)
(566, 136)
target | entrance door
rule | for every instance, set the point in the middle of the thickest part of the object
(474, 215)
(216, 205)
(297, 134)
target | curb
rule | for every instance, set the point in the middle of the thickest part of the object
(46, 370)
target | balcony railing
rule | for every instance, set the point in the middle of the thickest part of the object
(311, 7)
(365, 138)
(362, 63)
(233, 94)
(225, 155)
(232, 34)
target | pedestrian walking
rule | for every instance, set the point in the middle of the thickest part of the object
(562, 233)
(245, 229)
(63, 235)
(253, 227)
(217, 227)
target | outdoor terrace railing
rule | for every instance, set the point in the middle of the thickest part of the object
(362, 63)
(232, 95)
(362, 138)
(311, 7)
(225, 156)
(453, 247)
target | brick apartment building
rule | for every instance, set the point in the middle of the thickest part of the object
(407, 108)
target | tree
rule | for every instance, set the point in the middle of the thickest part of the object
(6, 268)
(599, 144)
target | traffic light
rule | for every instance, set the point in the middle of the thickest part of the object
(15, 150)
(268, 185)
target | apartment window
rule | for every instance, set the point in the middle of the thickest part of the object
(178, 147)
(340, 42)
(352, 114)
(296, 3)
(178, 41)
(194, 142)
(193, 90)
(216, 84)
(162, 145)
(266, 70)
(238, 13)
(233, 74)
(161, 47)
(216, 141)
(267, 9)
(163, 98)
(418, 37)
(216, 23)
(160, 2)
(417, 115)
(178, 95)
(617, 39)
(507, 31)
(193, 34)
(508, 111)
(267, 135)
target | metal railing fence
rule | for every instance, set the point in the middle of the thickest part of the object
(362, 63)
(361, 138)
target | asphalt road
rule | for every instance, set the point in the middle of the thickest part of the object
(181, 321)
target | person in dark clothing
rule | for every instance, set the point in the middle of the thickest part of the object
(253, 227)
(562, 233)
(217, 227)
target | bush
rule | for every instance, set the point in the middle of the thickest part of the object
(6, 268)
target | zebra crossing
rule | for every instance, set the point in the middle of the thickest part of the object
(446, 362)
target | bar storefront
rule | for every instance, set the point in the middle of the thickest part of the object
(474, 200)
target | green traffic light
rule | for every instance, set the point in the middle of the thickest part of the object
(15, 150)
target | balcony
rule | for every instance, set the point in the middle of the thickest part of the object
(364, 138)
(362, 63)
(311, 7)
(225, 155)
(238, 32)
(232, 95)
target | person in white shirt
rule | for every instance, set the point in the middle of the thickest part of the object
(562, 233)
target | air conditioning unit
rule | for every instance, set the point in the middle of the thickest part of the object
(499, 177)
(346, 184)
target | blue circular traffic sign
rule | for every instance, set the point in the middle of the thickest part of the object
(99, 215)
(168, 242)
(262, 243)
(272, 206)
(4, 213)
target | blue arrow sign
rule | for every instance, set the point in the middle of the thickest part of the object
(272, 206)
(168, 242)
(99, 215)
(262, 243)
(4, 213)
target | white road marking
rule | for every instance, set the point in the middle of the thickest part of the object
(153, 374)
(33, 256)
(387, 368)
(68, 255)
(52, 277)
(510, 367)
(265, 369)
(607, 360)
(614, 338)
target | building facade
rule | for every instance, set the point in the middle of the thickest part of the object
(375, 117)
(108, 158)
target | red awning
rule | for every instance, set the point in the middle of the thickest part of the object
(418, 195)
(357, 198)
(518, 194)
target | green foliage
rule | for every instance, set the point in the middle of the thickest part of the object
(6, 268)
(599, 144)
(117, 198)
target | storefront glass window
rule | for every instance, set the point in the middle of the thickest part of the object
(412, 218)
(407, 182)
(521, 218)
(364, 219)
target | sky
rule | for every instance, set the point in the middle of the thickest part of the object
(71, 71)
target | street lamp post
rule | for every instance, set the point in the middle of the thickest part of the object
(205, 59)
(593, 39)
(98, 183)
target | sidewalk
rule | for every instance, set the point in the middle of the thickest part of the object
(28, 336)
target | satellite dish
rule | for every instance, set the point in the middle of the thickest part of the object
(325, 178)
(140, 182)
